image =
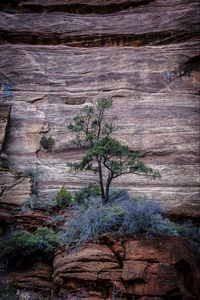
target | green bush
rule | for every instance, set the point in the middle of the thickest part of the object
(47, 143)
(23, 244)
(92, 190)
(64, 198)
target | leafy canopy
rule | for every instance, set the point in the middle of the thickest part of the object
(105, 155)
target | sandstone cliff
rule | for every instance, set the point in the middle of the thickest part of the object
(59, 55)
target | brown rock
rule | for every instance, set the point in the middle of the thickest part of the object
(87, 264)
(162, 280)
(164, 250)
(14, 190)
(135, 270)
(38, 277)
(156, 267)
(30, 220)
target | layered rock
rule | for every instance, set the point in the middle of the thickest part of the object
(14, 190)
(142, 54)
(30, 220)
(37, 277)
(142, 268)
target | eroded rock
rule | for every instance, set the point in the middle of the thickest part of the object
(150, 267)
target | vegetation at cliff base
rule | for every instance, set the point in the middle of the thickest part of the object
(123, 215)
(24, 244)
(64, 198)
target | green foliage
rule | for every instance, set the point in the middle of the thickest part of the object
(23, 243)
(92, 190)
(91, 122)
(105, 156)
(64, 198)
(47, 143)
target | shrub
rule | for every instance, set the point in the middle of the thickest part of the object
(125, 217)
(92, 190)
(30, 203)
(145, 217)
(23, 244)
(64, 198)
(89, 223)
(47, 143)
(29, 172)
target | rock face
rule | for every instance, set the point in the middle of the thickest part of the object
(59, 55)
(13, 190)
(142, 268)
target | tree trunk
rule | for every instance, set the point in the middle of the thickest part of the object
(108, 189)
(103, 197)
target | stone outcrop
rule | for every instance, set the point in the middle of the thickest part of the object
(30, 220)
(60, 55)
(56, 57)
(14, 190)
(31, 282)
(116, 267)
(142, 268)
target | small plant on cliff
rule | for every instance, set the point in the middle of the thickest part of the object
(92, 190)
(47, 143)
(64, 198)
(105, 155)
(24, 244)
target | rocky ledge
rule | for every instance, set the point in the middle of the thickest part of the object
(129, 268)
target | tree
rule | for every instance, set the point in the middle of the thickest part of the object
(105, 155)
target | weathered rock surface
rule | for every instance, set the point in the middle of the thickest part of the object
(38, 277)
(4, 116)
(30, 220)
(150, 268)
(142, 54)
(13, 190)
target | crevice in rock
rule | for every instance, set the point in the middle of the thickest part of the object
(193, 64)
(77, 8)
(8, 107)
(110, 243)
(38, 100)
(7, 188)
(99, 40)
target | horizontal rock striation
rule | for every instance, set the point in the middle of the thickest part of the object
(142, 54)
(137, 27)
